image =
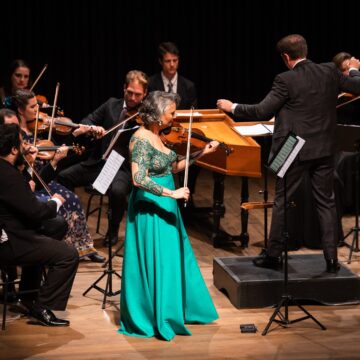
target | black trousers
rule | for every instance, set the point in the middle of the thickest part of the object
(61, 261)
(55, 228)
(321, 172)
(83, 174)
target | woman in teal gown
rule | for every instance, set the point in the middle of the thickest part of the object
(162, 287)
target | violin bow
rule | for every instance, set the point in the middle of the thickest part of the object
(108, 131)
(38, 78)
(53, 110)
(187, 157)
(36, 124)
(347, 102)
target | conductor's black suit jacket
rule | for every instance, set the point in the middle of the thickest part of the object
(21, 213)
(303, 101)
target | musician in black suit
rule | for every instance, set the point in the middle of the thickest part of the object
(169, 80)
(112, 112)
(303, 101)
(22, 244)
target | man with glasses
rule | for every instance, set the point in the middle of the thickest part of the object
(112, 112)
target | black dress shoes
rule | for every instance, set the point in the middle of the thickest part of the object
(19, 307)
(47, 318)
(269, 262)
(332, 266)
(96, 258)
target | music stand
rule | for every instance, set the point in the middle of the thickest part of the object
(108, 272)
(349, 140)
(102, 183)
(279, 164)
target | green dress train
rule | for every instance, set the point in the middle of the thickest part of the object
(162, 288)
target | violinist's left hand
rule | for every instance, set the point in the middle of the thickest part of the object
(210, 147)
(60, 153)
(31, 152)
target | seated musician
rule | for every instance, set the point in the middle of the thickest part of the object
(78, 235)
(112, 112)
(21, 213)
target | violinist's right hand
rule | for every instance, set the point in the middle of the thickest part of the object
(59, 197)
(181, 193)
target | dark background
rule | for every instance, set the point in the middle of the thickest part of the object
(227, 48)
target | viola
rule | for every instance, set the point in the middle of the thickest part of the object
(62, 125)
(177, 134)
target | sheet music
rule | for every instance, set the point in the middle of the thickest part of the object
(108, 172)
(255, 130)
(291, 157)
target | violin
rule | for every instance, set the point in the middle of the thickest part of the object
(46, 149)
(177, 134)
(62, 125)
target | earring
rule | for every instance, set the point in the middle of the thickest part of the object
(160, 123)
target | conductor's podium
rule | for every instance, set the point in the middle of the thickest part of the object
(244, 159)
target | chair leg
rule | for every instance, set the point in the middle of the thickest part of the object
(99, 214)
(88, 207)
(5, 290)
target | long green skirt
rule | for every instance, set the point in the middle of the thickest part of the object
(162, 287)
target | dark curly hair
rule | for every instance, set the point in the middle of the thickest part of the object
(155, 105)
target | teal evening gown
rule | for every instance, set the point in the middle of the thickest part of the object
(162, 288)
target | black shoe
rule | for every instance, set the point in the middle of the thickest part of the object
(269, 262)
(19, 307)
(332, 266)
(96, 258)
(47, 317)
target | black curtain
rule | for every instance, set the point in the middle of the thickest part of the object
(227, 47)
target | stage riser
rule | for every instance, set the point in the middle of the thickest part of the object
(250, 287)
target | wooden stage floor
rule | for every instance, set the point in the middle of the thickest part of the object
(93, 331)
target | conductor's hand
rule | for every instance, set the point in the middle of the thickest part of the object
(224, 105)
(181, 193)
(354, 63)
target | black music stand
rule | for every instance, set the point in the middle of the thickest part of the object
(108, 272)
(349, 140)
(279, 164)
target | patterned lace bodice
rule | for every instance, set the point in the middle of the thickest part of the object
(151, 163)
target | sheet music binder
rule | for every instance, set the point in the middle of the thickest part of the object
(285, 155)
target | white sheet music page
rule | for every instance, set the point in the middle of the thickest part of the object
(291, 157)
(255, 130)
(108, 172)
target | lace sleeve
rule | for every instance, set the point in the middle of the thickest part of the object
(141, 154)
